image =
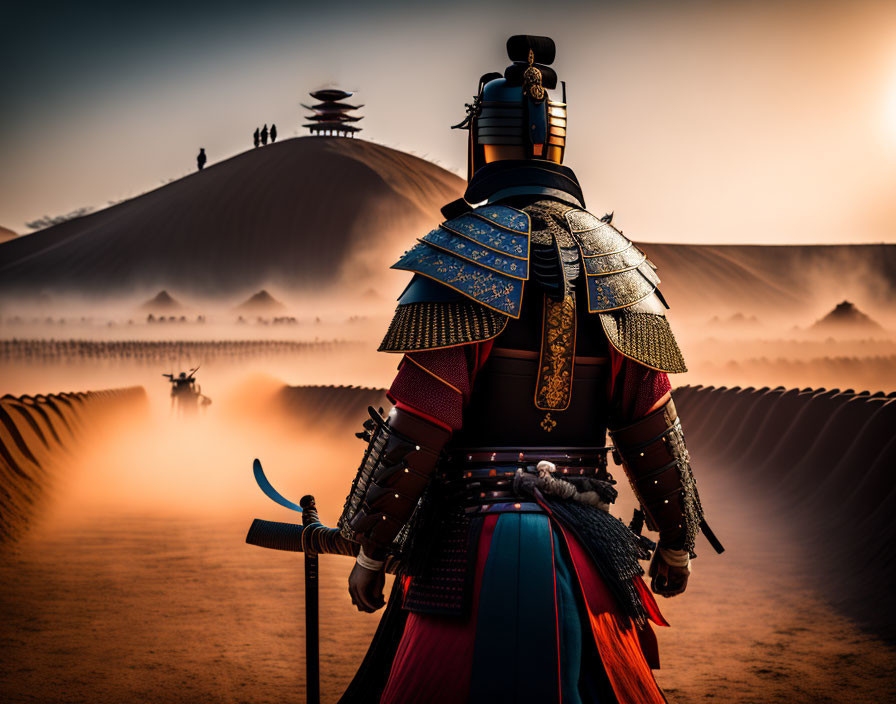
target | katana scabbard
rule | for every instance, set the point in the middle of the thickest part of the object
(310, 520)
(311, 538)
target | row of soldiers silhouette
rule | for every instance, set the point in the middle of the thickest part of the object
(260, 136)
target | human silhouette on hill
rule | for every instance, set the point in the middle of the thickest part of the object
(201, 158)
(264, 134)
(255, 138)
(273, 133)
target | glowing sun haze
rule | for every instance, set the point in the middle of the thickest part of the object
(695, 122)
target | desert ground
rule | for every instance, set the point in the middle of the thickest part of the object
(132, 581)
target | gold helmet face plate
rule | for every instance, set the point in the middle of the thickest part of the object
(556, 132)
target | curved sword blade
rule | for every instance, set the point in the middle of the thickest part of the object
(269, 490)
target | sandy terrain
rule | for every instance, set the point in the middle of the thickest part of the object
(136, 584)
(292, 213)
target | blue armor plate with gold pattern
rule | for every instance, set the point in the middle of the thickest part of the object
(477, 254)
(508, 218)
(483, 254)
(493, 290)
(496, 236)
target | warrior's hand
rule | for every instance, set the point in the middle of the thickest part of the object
(366, 588)
(669, 572)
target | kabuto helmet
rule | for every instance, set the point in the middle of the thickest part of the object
(521, 112)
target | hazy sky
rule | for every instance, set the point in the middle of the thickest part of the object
(695, 122)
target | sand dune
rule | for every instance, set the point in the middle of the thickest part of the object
(292, 214)
(37, 435)
(758, 278)
(162, 302)
(861, 372)
(307, 212)
(331, 405)
(824, 459)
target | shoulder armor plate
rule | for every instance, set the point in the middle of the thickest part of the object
(642, 332)
(618, 273)
(430, 325)
(483, 254)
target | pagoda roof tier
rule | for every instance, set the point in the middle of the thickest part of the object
(330, 94)
(337, 117)
(332, 106)
(334, 126)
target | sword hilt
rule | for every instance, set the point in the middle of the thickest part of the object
(309, 510)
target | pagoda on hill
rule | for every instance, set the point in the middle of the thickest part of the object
(331, 117)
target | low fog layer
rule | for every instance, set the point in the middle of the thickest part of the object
(332, 338)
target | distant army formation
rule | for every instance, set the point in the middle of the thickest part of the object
(277, 320)
(165, 353)
(200, 319)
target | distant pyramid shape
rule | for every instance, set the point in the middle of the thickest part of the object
(6, 234)
(163, 303)
(846, 315)
(261, 302)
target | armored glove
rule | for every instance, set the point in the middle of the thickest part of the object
(669, 571)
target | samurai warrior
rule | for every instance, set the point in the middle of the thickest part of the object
(186, 393)
(529, 330)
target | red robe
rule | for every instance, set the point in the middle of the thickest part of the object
(434, 658)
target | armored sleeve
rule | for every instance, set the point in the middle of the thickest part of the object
(429, 393)
(653, 453)
(633, 389)
(399, 462)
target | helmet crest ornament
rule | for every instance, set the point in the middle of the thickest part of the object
(532, 81)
